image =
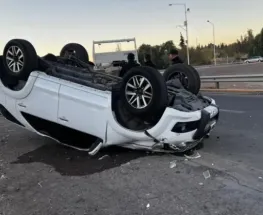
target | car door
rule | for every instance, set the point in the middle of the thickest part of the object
(42, 102)
(83, 109)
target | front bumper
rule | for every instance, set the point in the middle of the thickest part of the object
(196, 126)
(206, 124)
(166, 137)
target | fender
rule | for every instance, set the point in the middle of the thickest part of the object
(23, 93)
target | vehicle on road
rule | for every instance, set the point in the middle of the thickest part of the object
(254, 59)
(64, 98)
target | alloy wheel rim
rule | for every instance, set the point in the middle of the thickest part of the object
(15, 59)
(139, 92)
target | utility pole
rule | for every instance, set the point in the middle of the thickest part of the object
(186, 28)
(214, 41)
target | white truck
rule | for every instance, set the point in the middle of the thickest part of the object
(111, 61)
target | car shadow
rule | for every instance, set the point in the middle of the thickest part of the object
(71, 162)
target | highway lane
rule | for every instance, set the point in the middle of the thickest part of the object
(240, 129)
(234, 69)
(37, 176)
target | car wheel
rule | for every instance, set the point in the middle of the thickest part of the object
(75, 49)
(188, 77)
(143, 91)
(50, 57)
(19, 59)
(129, 120)
(197, 77)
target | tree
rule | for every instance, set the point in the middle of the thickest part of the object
(143, 49)
(246, 45)
(250, 36)
(168, 45)
(182, 41)
(261, 43)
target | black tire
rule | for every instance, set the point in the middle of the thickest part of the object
(193, 82)
(79, 51)
(198, 79)
(29, 59)
(7, 80)
(50, 57)
(128, 120)
(159, 99)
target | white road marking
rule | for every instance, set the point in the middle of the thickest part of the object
(232, 111)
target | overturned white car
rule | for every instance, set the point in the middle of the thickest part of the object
(64, 98)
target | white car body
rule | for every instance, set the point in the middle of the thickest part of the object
(254, 59)
(88, 110)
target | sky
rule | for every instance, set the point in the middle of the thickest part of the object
(50, 24)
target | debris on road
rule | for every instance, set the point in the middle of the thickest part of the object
(104, 156)
(173, 164)
(126, 164)
(2, 177)
(195, 155)
(1, 197)
(4, 139)
(206, 174)
(125, 168)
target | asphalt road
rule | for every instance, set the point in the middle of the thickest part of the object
(37, 176)
(234, 69)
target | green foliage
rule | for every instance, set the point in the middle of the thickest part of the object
(260, 43)
(247, 45)
(182, 42)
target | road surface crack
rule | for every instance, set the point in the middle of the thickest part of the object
(242, 185)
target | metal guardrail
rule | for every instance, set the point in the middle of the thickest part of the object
(232, 78)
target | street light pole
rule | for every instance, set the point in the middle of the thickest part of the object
(214, 40)
(180, 26)
(186, 28)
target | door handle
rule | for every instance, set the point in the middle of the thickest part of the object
(63, 119)
(21, 105)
